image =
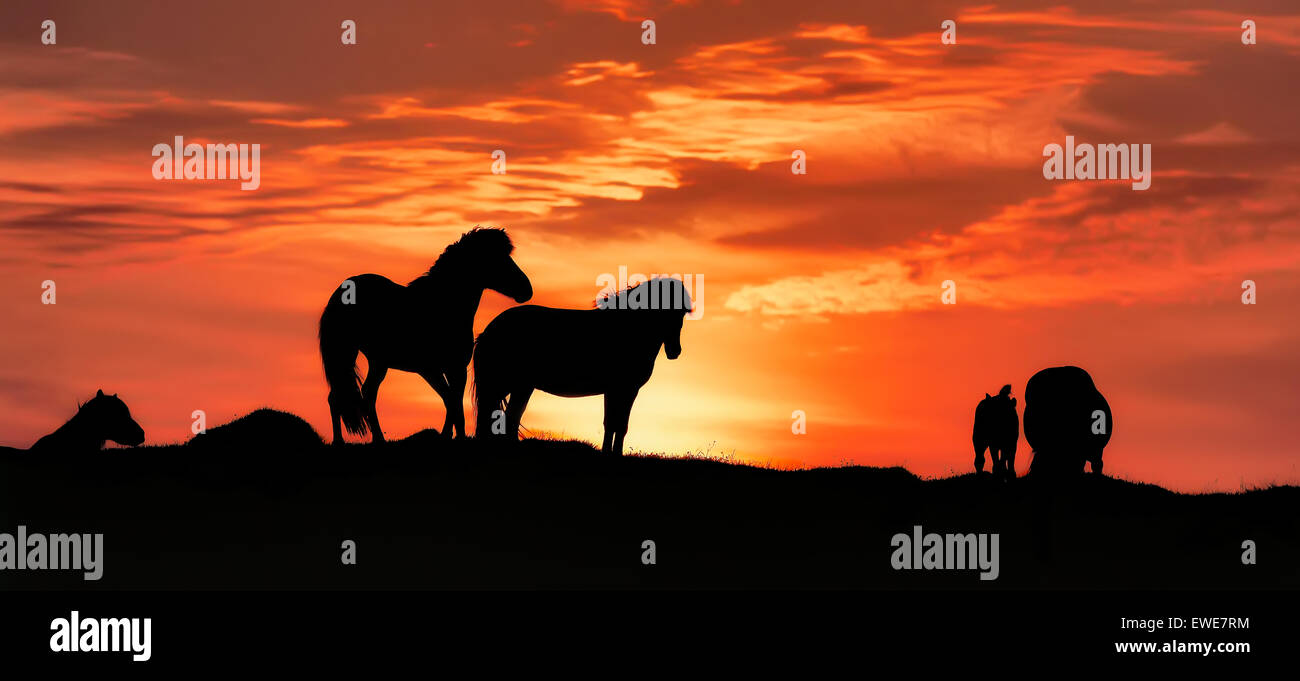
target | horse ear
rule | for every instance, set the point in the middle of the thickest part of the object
(100, 393)
(988, 396)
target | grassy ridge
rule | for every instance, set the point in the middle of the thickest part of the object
(427, 513)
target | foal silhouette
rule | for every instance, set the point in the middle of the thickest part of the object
(103, 418)
(997, 429)
(554, 350)
(425, 327)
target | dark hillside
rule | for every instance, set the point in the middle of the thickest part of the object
(431, 514)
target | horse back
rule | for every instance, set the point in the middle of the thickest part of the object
(364, 296)
(374, 285)
(996, 421)
(564, 351)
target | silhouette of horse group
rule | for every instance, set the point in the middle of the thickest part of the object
(1067, 423)
(426, 327)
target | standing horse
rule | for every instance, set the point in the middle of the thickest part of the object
(425, 327)
(103, 418)
(533, 347)
(997, 429)
(1067, 422)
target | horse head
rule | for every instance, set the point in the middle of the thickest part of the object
(664, 300)
(509, 280)
(484, 255)
(678, 306)
(112, 420)
(1003, 397)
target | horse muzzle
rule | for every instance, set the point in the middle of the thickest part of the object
(524, 292)
(133, 439)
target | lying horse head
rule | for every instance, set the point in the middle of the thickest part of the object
(107, 418)
(666, 302)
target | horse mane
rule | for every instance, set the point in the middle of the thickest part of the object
(81, 406)
(611, 300)
(476, 243)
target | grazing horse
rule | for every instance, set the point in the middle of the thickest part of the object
(997, 429)
(425, 327)
(103, 418)
(1067, 422)
(608, 351)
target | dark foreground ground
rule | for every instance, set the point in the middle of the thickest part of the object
(425, 513)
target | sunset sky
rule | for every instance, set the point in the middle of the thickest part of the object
(821, 291)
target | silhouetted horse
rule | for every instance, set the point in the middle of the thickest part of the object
(608, 351)
(425, 327)
(997, 429)
(1067, 421)
(103, 418)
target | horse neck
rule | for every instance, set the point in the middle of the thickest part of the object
(452, 294)
(75, 435)
(641, 330)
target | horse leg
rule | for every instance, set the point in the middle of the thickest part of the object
(456, 386)
(979, 458)
(488, 400)
(1095, 462)
(607, 445)
(515, 411)
(618, 408)
(1081, 461)
(439, 384)
(369, 396)
(995, 455)
(448, 421)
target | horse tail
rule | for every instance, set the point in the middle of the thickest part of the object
(485, 392)
(338, 353)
